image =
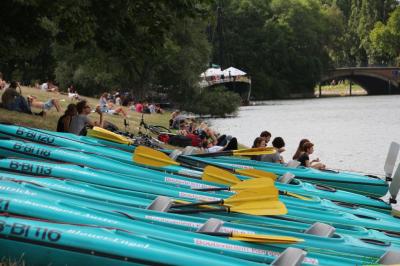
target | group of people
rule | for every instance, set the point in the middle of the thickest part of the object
(201, 135)
(75, 119)
(302, 154)
(146, 108)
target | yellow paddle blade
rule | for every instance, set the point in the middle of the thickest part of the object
(263, 207)
(254, 151)
(253, 184)
(256, 173)
(294, 195)
(261, 149)
(265, 239)
(218, 175)
(253, 195)
(149, 156)
(101, 133)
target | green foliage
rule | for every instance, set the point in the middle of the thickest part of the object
(385, 40)
(145, 46)
(216, 101)
(280, 43)
(359, 17)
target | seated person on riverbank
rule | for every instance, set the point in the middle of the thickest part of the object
(278, 143)
(49, 86)
(107, 106)
(208, 136)
(266, 135)
(258, 142)
(176, 120)
(13, 100)
(45, 106)
(158, 109)
(73, 93)
(300, 149)
(65, 120)
(81, 120)
(231, 144)
(304, 158)
(3, 83)
(173, 116)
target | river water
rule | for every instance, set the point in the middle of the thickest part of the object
(349, 133)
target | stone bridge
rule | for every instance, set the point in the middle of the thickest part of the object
(375, 80)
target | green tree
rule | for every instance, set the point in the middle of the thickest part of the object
(385, 40)
(281, 44)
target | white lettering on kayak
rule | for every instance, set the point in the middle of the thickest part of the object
(213, 244)
(186, 183)
(190, 172)
(239, 165)
(173, 221)
(117, 240)
(58, 209)
(196, 196)
(17, 190)
(194, 224)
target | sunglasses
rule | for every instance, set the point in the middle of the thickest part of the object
(87, 106)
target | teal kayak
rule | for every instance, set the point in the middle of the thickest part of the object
(68, 209)
(323, 210)
(105, 179)
(52, 243)
(362, 184)
(367, 185)
(90, 194)
(296, 186)
(36, 168)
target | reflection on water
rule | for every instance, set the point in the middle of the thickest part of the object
(352, 133)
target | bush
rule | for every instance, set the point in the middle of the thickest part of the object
(215, 101)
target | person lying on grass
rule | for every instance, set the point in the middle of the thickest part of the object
(45, 106)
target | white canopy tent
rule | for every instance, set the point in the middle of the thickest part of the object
(212, 72)
(231, 71)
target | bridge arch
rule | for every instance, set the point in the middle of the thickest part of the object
(375, 80)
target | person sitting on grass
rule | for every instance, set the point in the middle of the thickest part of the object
(299, 150)
(108, 106)
(304, 158)
(65, 120)
(3, 83)
(258, 142)
(73, 93)
(81, 120)
(49, 87)
(45, 106)
(279, 145)
(13, 100)
(266, 135)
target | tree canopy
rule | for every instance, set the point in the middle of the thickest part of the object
(143, 46)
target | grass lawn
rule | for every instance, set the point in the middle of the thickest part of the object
(340, 90)
(50, 120)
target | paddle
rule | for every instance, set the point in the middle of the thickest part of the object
(253, 238)
(391, 159)
(101, 133)
(149, 156)
(241, 152)
(395, 186)
(261, 201)
(98, 132)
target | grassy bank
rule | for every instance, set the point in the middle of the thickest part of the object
(50, 120)
(340, 90)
